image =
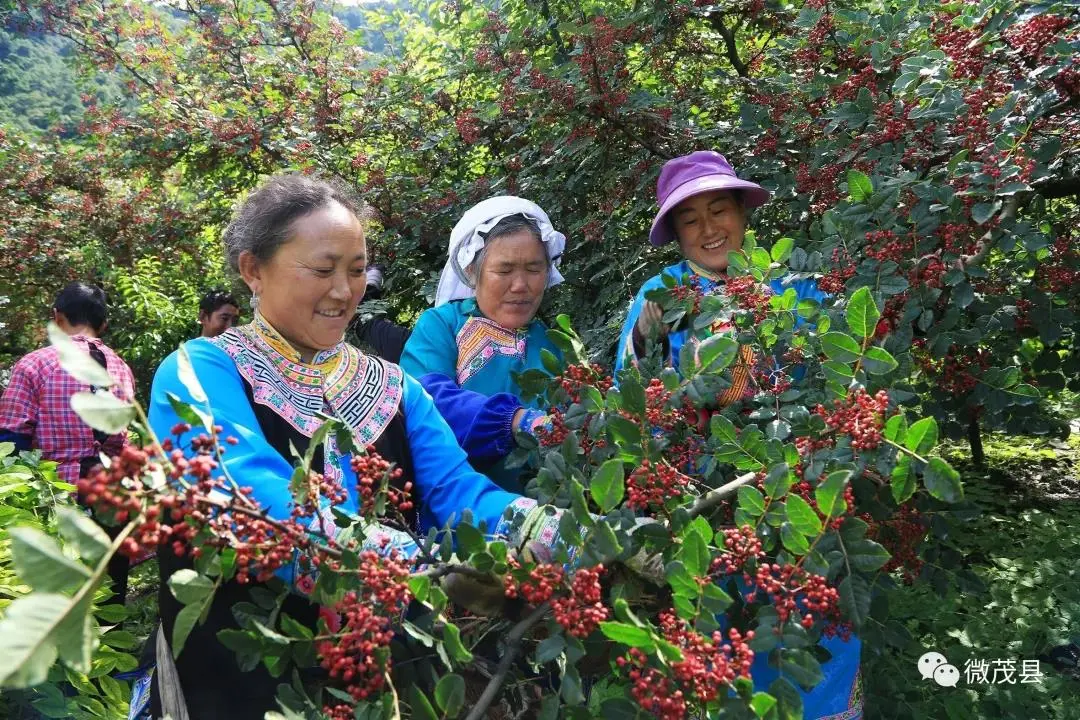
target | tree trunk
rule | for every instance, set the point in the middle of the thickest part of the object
(975, 440)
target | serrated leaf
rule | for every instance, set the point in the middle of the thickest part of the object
(450, 694)
(751, 500)
(855, 599)
(793, 540)
(607, 487)
(694, 554)
(902, 480)
(781, 249)
(862, 313)
(716, 353)
(802, 517)
(867, 555)
(103, 411)
(627, 634)
(550, 648)
(37, 628)
(922, 436)
(189, 587)
(878, 361)
(802, 667)
(840, 347)
(943, 481)
(469, 540)
(829, 493)
(40, 562)
(860, 189)
(723, 429)
(84, 534)
(896, 429)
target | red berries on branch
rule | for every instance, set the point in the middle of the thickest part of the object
(582, 611)
(652, 484)
(860, 416)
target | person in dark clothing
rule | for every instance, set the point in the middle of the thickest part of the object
(383, 337)
(218, 311)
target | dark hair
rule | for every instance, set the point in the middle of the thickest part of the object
(83, 304)
(507, 226)
(215, 299)
(263, 222)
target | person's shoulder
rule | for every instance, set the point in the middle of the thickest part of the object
(201, 352)
(448, 315)
(37, 361)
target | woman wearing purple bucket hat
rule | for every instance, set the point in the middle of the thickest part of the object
(703, 205)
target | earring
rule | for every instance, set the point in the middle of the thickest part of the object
(255, 301)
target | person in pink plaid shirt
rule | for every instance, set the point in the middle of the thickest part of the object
(35, 411)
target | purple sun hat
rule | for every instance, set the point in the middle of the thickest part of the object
(693, 174)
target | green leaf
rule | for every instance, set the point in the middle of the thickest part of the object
(902, 480)
(469, 540)
(794, 540)
(694, 554)
(762, 703)
(803, 517)
(189, 587)
(627, 634)
(781, 249)
(922, 436)
(40, 562)
(778, 481)
(550, 648)
(103, 411)
(862, 313)
(607, 486)
(840, 347)
(829, 493)
(878, 361)
(789, 701)
(452, 640)
(867, 555)
(751, 500)
(982, 212)
(855, 599)
(185, 622)
(760, 258)
(35, 629)
(76, 362)
(859, 186)
(723, 429)
(942, 481)
(83, 533)
(896, 429)
(802, 667)
(420, 705)
(450, 694)
(186, 374)
(716, 353)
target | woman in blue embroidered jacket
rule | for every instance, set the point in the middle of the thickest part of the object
(503, 255)
(299, 245)
(703, 206)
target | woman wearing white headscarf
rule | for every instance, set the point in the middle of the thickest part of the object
(503, 254)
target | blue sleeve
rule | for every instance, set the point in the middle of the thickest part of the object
(445, 482)
(483, 425)
(431, 348)
(19, 440)
(625, 351)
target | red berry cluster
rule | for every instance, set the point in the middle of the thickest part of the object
(861, 416)
(795, 592)
(558, 432)
(657, 412)
(741, 545)
(690, 295)
(652, 484)
(575, 377)
(960, 45)
(468, 126)
(709, 665)
(750, 295)
(1031, 38)
(884, 245)
(537, 586)
(653, 691)
(373, 475)
(772, 380)
(901, 535)
(359, 655)
(843, 269)
(582, 611)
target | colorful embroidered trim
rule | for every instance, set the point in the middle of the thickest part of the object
(855, 702)
(480, 340)
(364, 392)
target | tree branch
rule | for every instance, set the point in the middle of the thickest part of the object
(711, 499)
(513, 647)
(1058, 187)
(716, 21)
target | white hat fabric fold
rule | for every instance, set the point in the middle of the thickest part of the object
(467, 240)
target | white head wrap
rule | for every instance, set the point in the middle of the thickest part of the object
(468, 236)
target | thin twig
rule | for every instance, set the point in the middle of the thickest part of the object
(513, 647)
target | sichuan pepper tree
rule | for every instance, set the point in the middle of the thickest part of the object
(692, 537)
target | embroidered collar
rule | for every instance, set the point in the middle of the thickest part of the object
(470, 309)
(707, 274)
(362, 391)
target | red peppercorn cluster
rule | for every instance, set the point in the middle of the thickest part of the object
(772, 380)
(651, 484)
(861, 417)
(538, 584)
(653, 691)
(709, 665)
(741, 545)
(575, 377)
(690, 295)
(374, 475)
(750, 295)
(901, 535)
(657, 412)
(359, 655)
(558, 432)
(884, 245)
(795, 592)
(582, 611)
(843, 269)
(961, 45)
(1030, 39)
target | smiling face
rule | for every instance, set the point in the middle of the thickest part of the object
(309, 289)
(709, 226)
(512, 279)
